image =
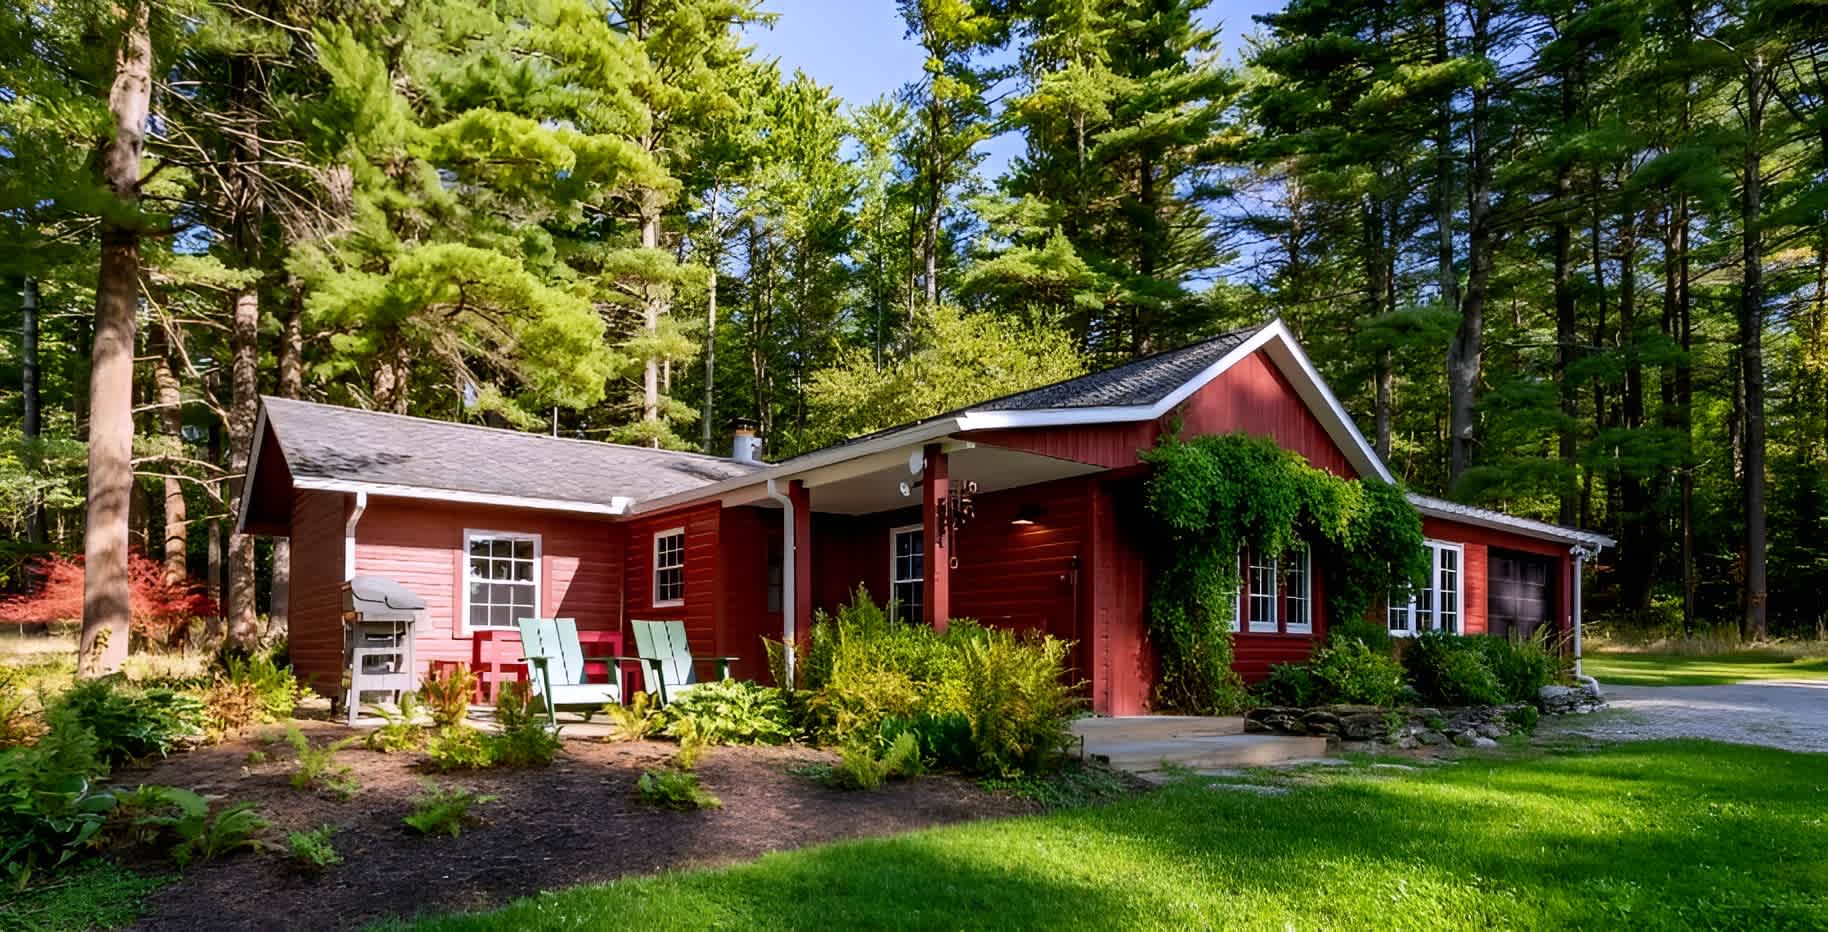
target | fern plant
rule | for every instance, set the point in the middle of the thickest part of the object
(675, 789)
(316, 769)
(447, 694)
(403, 728)
(183, 817)
(313, 851)
(635, 721)
(444, 809)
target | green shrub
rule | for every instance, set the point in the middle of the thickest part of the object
(458, 747)
(945, 738)
(132, 723)
(276, 689)
(1016, 697)
(1524, 718)
(1290, 684)
(313, 851)
(1523, 668)
(182, 819)
(675, 789)
(444, 809)
(861, 768)
(1350, 671)
(403, 728)
(316, 768)
(230, 707)
(734, 712)
(1373, 634)
(525, 745)
(447, 695)
(635, 721)
(51, 807)
(1451, 670)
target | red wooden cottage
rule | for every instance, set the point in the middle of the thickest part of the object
(491, 525)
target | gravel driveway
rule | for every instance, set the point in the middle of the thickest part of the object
(1787, 714)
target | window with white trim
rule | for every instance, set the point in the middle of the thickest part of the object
(907, 559)
(1437, 605)
(1260, 584)
(1298, 590)
(669, 567)
(501, 578)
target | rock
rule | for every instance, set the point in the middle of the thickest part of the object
(1490, 730)
(1283, 720)
(1320, 722)
(1363, 726)
(1431, 739)
(1408, 742)
(1565, 700)
(1466, 739)
(1482, 742)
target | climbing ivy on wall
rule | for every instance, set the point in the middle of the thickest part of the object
(1211, 497)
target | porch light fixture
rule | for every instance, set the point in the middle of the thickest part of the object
(1028, 514)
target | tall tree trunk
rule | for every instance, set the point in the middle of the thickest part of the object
(936, 188)
(1638, 549)
(1446, 279)
(32, 425)
(1465, 355)
(651, 309)
(1751, 344)
(106, 607)
(1566, 316)
(170, 402)
(715, 258)
(290, 384)
(248, 214)
(1375, 270)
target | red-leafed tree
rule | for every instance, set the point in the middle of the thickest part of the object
(158, 610)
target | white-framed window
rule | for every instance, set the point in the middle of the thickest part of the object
(1260, 587)
(669, 567)
(501, 578)
(1298, 590)
(907, 559)
(1440, 603)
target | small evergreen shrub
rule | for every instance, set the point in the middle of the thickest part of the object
(1290, 684)
(458, 747)
(313, 851)
(1016, 697)
(1451, 670)
(316, 769)
(944, 738)
(1372, 634)
(1351, 672)
(734, 712)
(634, 721)
(447, 693)
(444, 809)
(277, 691)
(403, 728)
(861, 768)
(525, 745)
(675, 789)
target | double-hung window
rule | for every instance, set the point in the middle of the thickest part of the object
(501, 578)
(669, 567)
(1298, 590)
(906, 561)
(1437, 605)
(1260, 586)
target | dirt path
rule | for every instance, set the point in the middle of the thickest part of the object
(1787, 714)
(575, 822)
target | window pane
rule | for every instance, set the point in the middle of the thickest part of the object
(523, 595)
(500, 547)
(523, 570)
(479, 593)
(479, 546)
(498, 615)
(521, 611)
(500, 569)
(523, 550)
(479, 615)
(479, 569)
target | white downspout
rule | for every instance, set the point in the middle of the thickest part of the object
(1580, 555)
(361, 505)
(789, 640)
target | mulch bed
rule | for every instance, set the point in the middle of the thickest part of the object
(575, 822)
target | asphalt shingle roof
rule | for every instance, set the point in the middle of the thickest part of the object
(331, 442)
(1142, 381)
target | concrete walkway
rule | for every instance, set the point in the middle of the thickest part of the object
(1143, 744)
(1788, 714)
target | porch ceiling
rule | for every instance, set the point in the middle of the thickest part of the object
(993, 468)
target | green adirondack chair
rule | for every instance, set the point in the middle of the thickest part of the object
(555, 662)
(666, 659)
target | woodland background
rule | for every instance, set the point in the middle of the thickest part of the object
(1568, 259)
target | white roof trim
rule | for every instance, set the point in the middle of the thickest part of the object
(617, 506)
(1497, 520)
(247, 478)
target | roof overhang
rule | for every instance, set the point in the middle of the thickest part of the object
(1445, 510)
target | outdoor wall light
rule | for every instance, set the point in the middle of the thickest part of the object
(1028, 514)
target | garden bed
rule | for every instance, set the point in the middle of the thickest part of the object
(577, 821)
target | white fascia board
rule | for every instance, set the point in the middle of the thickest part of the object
(617, 506)
(1498, 521)
(1320, 399)
(803, 466)
(247, 478)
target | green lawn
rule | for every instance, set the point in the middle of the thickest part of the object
(1656, 835)
(1645, 668)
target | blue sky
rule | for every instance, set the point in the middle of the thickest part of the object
(857, 48)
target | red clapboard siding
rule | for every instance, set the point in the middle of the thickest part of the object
(1023, 577)
(315, 600)
(749, 539)
(1122, 667)
(703, 582)
(1252, 396)
(420, 545)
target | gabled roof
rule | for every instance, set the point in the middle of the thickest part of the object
(1142, 381)
(329, 447)
(1485, 517)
